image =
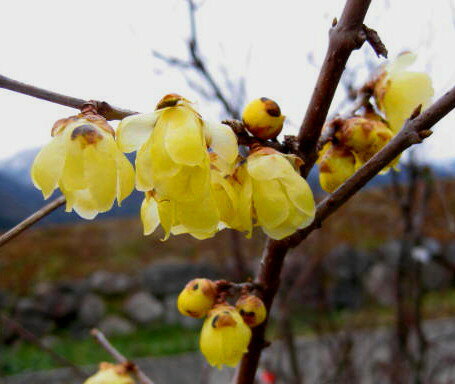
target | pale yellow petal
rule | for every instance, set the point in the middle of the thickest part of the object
(133, 131)
(184, 141)
(300, 194)
(101, 173)
(166, 211)
(269, 167)
(222, 140)
(149, 215)
(73, 176)
(83, 203)
(125, 177)
(48, 165)
(270, 202)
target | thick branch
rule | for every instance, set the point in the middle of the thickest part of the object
(104, 342)
(32, 219)
(346, 35)
(103, 108)
(414, 131)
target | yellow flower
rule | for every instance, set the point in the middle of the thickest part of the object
(336, 165)
(85, 162)
(111, 374)
(252, 310)
(263, 118)
(173, 161)
(399, 91)
(282, 199)
(197, 298)
(224, 337)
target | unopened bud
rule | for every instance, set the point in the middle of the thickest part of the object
(197, 298)
(263, 118)
(252, 309)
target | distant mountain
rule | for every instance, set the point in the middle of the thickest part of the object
(19, 198)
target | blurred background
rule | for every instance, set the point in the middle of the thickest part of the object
(369, 298)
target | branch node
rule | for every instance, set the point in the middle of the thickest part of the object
(375, 41)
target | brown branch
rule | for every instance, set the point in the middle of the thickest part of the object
(375, 41)
(103, 108)
(415, 130)
(32, 219)
(104, 342)
(345, 36)
(28, 336)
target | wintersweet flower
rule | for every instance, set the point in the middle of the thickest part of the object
(398, 92)
(110, 374)
(252, 310)
(197, 298)
(224, 337)
(282, 199)
(263, 118)
(84, 161)
(336, 164)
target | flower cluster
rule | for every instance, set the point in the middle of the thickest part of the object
(226, 331)
(354, 140)
(191, 173)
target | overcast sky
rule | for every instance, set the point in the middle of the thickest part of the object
(102, 50)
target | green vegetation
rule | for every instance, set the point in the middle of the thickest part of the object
(165, 340)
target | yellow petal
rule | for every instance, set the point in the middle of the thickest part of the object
(48, 165)
(270, 202)
(166, 211)
(406, 91)
(73, 176)
(300, 194)
(82, 202)
(199, 217)
(184, 141)
(133, 131)
(125, 177)
(269, 167)
(149, 215)
(222, 140)
(101, 173)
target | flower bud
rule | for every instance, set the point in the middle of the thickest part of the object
(336, 165)
(111, 374)
(197, 298)
(263, 118)
(224, 336)
(364, 136)
(252, 310)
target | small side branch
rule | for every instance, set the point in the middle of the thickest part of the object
(103, 108)
(32, 219)
(28, 336)
(104, 342)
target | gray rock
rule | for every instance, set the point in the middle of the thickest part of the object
(435, 277)
(91, 310)
(143, 308)
(170, 278)
(30, 315)
(108, 283)
(115, 325)
(379, 282)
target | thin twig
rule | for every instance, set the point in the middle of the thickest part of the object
(102, 107)
(104, 342)
(32, 219)
(31, 338)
